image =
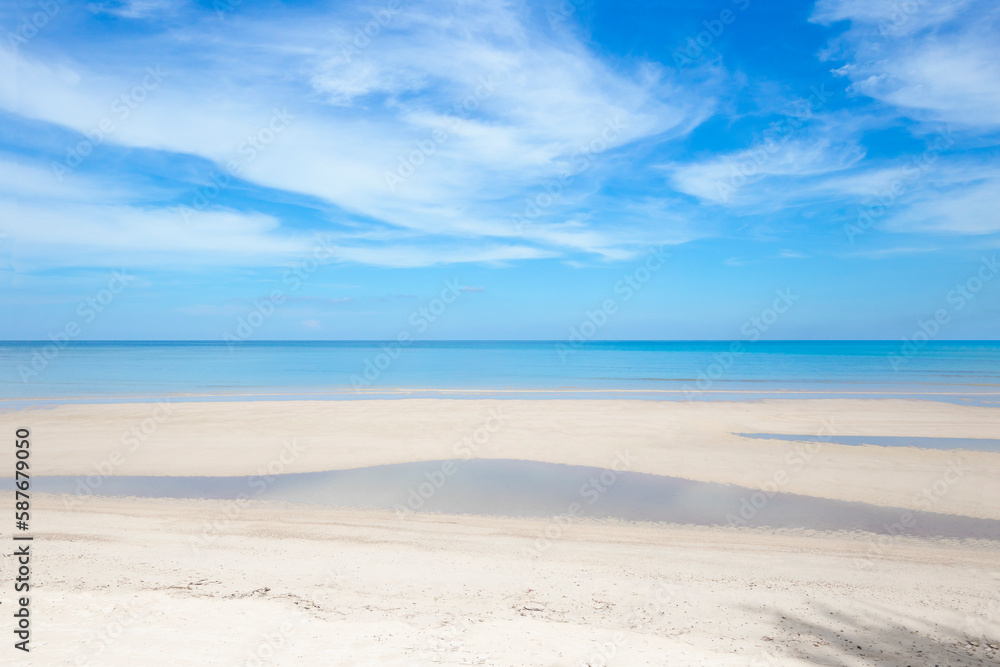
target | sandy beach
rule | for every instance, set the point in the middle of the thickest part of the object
(516, 334)
(121, 583)
(691, 440)
(255, 583)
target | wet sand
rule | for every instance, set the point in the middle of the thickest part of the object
(497, 487)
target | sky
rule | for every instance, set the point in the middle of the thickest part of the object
(499, 170)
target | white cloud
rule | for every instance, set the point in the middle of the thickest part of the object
(894, 251)
(952, 195)
(890, 17)
(544, 104)
(733, 178)
(23, 180)
(135, 9)
(50, 224)
(117, 235)
(935, 61)
(130, 235)
(972, 208)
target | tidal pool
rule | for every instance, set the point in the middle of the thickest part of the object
(968, 444)
(533, 489)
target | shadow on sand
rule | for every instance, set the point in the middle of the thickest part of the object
(878, 637)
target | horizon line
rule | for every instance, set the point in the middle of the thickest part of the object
(220, 341)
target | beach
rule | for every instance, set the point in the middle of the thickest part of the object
(288, 585)
(513, 334)
(686, 439)
(248, 581)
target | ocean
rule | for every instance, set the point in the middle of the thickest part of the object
(958, 371)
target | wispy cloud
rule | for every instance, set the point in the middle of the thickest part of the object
(135, 9)
(933, 60)
(516, 104)
(731, 178)
(207, 146)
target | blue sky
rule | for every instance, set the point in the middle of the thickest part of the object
(845, 150)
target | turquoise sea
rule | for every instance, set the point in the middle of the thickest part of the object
(961, 371)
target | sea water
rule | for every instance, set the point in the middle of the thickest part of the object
(966, 371)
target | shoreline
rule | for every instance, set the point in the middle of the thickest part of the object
(481, 393)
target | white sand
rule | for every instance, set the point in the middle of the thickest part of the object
(307, 586)
(694, 440)
(184, 582)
